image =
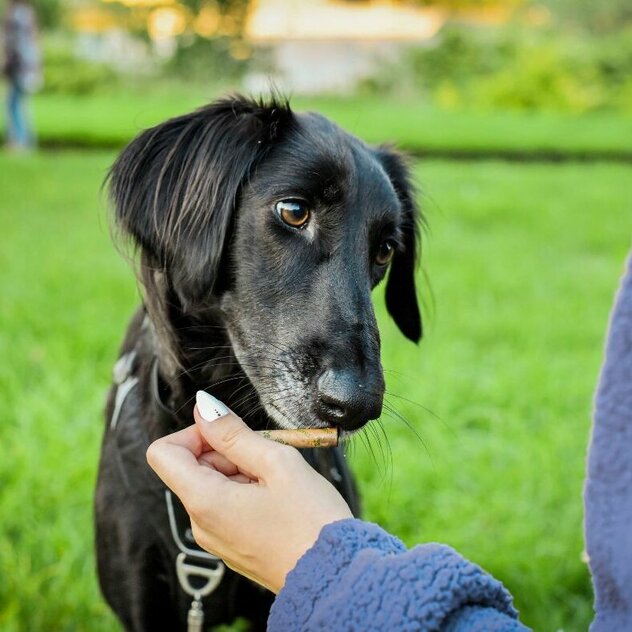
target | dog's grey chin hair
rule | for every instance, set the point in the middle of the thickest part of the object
(279, 418)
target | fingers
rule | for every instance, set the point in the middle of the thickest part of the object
(241, 478)
(230, 436)
(220, 463)
(188, 438)
(175, 459)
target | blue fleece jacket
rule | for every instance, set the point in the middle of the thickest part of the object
(359, 578)
(608, 490)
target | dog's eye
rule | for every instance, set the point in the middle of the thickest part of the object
(293, 212)
(385, 252)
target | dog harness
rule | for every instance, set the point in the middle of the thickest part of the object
(199, 573)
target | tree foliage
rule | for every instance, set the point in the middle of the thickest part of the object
(597, 16)
(48, 12)
(469, 4)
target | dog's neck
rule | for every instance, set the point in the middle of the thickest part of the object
(200, 356)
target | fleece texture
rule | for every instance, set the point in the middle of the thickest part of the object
(608, 489)
(357, 577)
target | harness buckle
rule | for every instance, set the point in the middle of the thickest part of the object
(186, 571)
(211, 576)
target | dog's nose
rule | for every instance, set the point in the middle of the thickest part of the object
(347, 401)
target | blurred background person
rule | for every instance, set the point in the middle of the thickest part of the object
(22, 68)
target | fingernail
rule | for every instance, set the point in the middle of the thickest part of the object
(209, 407)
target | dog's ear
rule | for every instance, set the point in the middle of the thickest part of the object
(175, 186)
(401, 295)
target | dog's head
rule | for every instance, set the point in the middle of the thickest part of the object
(281, 224)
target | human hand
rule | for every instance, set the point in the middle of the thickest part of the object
(255, 503)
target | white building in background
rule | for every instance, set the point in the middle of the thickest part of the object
(317, 46)
(301, 46)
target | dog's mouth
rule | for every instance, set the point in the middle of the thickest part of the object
(295, 407)
(297, 392)
(282, 421)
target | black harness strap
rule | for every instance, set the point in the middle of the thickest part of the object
(165, 416)
(199, 573)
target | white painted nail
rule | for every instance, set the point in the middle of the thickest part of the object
(209, 407)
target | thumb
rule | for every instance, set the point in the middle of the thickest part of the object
(227, 434)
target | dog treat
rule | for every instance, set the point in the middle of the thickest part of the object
(304, 437)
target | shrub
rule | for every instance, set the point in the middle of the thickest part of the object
(65, 73)
(215, 59)
(516, 68)
(541, 76)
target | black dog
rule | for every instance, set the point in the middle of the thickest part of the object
(261, 233)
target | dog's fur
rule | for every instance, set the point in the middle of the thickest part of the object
(274, 320)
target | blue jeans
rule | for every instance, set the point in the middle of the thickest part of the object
(19, 130)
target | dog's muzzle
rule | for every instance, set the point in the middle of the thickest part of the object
(347, 400)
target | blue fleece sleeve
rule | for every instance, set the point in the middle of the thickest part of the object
(358, 577)
(608, 490)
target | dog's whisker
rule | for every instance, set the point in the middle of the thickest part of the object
(396, 415)
(253, 411)
(398, 376)
(239, 377)
(249, 404)
(384, 448)
(212, 346)
(243, 362)
(274, 393)
(414, 403)
(184, 404)
(226, 380)
(261, 393)
(371, 428)
(256, 365)
(201, 326)
(184, 372)
(246, 400)
(213, 349)
(207, 363)
(364, 437)
(238, 402)
(389, 450)
(350, 448)
(268, 376)
(230, 361)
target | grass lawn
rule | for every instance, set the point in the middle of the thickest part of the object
(111, 119)
(523, 262)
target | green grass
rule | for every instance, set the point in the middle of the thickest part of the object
(112, 119)
(523, 262)
(425, 128)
